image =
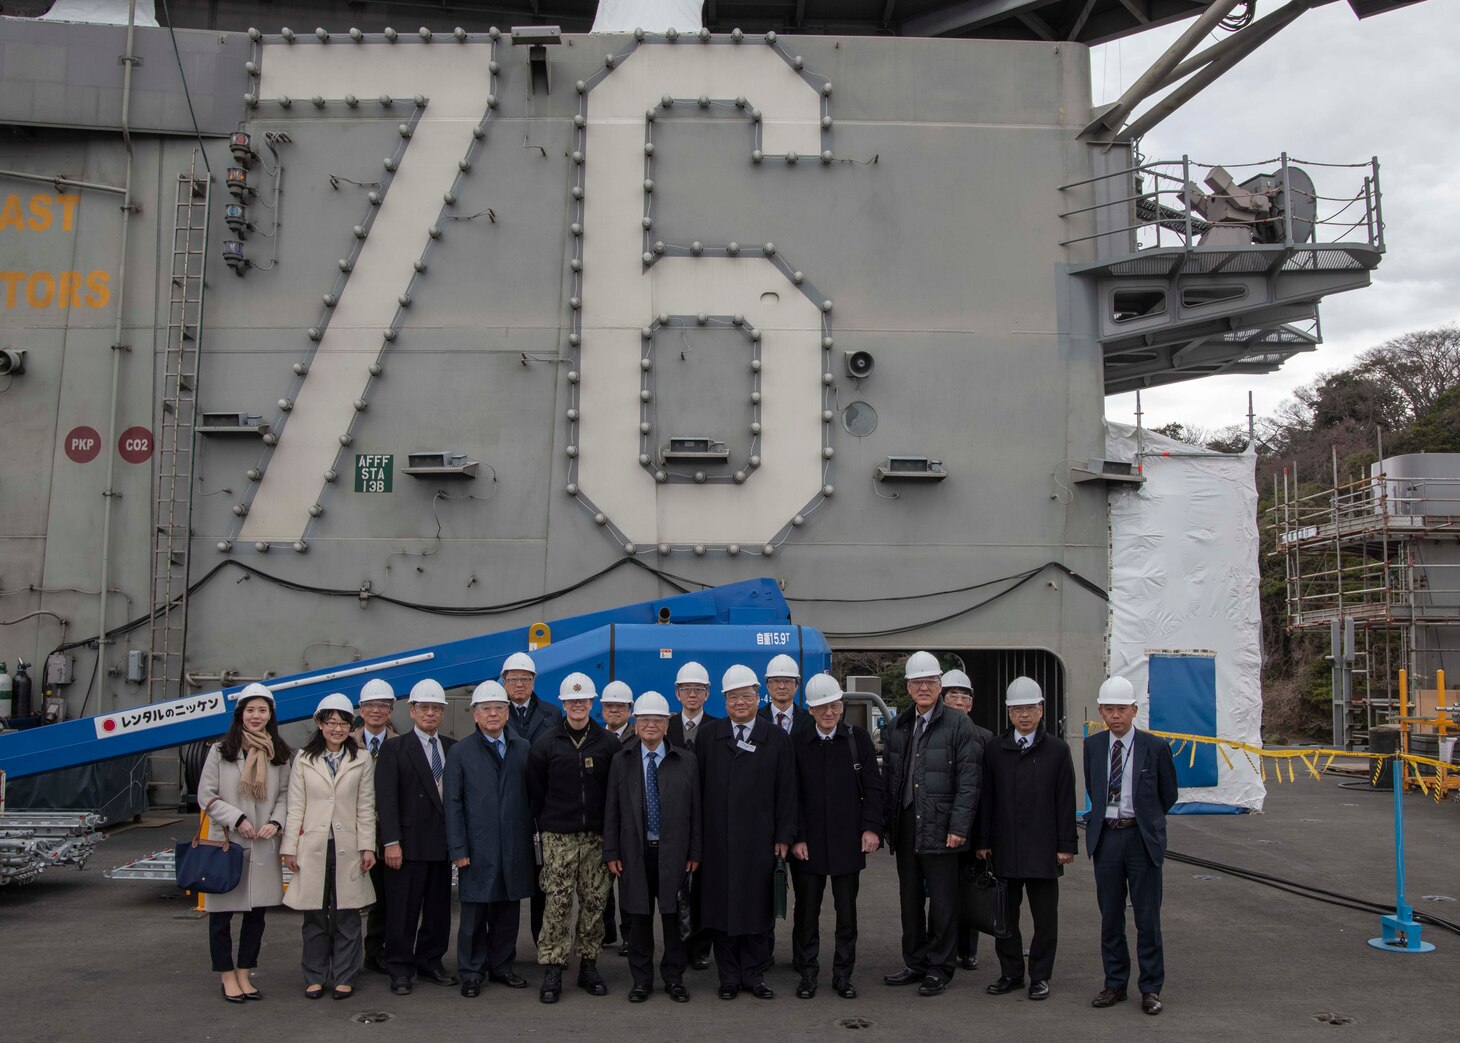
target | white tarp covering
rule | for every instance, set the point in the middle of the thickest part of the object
(101, 12)
(1183, 563)
(624, 16)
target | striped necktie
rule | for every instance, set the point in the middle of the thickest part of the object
(437, 767)
(1117, 771)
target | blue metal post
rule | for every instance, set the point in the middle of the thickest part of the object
(1400, 932)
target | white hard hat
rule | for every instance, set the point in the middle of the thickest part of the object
(336, 701)
(922, 664)
(577, 686)
(1116, 691)
(1023, 691)
(738, 676)
(782, 666)
(488, 692)
(376, 689)
(822, 689)
(519, 661)
(957, 679)
(692, 673)
(428, 690)
(618, 692)
(651, 704)
(255, 691)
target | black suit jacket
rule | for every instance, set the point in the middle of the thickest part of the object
(1153, 789)
(410, 808)
(800, 718)
(675, 734)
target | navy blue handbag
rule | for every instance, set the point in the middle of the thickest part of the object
(211, 867)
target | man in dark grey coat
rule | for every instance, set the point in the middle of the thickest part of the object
(531, 718)
(934, 772)
(748, 792)
(958, 695)
(840, 791)
(489, 840)
(1028, 824)
(651, 843)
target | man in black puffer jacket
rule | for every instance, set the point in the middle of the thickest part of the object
(934, 771)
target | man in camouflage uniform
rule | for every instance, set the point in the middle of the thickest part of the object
(567, 786)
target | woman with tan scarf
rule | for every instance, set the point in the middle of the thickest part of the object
(245, 791)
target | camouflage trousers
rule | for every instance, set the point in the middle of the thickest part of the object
(572, 864)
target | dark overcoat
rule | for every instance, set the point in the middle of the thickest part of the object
(541, 718)
(675, 734)
(947, 778)
(749, 802)
(1028, 808)
(624, 830)
(488, 820)
(839, 787)
(412, 813)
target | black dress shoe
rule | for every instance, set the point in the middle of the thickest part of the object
(1108, 997)
(471, 988)
(932, 986)
(1004, 985)
(678, 993)
(806, 989)
(728, 992)
(231, 999)
(906, 976)
(699, 963)
(844, 988)
(343, 994)
(400, 986)
(439, 976)
(968, 963)
(374, 965)
(763, 991)
(1151, 1002)
(511, 979)
(314, 992)
(254, 995)
(1039, 990)
(638, 994)
(623, 950)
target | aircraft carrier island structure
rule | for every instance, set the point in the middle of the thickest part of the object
(367, 341)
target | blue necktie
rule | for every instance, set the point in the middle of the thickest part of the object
(651, 787)
(437, 767)
(329, 759)
(500, 747)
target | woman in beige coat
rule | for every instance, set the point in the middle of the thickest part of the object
(244, 789)
(329, 845)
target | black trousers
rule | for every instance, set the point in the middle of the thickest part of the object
(376, 916)
(742, 959)
(418, 916)
(250, 938)
(1044, 907)
(640, 935)
(1122, 864)
(967, 936)
(806, 928)
(486, 939)
(536, 906)
(614, 926)
(700, 941)
(929, 924)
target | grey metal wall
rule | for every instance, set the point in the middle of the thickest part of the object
(935, 231)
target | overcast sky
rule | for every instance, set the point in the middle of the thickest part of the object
(1329, 88)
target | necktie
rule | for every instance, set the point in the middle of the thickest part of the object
(437, 767)
(522, 714)
(1117, 771)
(374, 746)
(740, 732)
(651, 795)
(500, 747)
(690, 727)
(329, 759)
(781, 720)
(1023, 742)
(912, 755)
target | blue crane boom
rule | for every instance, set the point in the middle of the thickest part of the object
(643, 644)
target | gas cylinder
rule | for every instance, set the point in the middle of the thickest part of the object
(5, 686)
(21, 685)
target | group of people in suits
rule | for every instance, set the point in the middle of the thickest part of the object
(694, 821)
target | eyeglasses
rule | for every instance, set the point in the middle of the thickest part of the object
(925, 682)
(334, 724)
(741, 697)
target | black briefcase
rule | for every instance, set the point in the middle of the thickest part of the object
(982, 897)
